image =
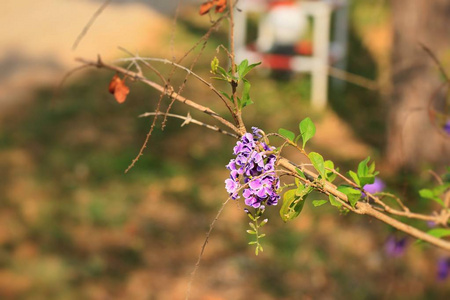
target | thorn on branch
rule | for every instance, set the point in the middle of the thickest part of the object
(187, 120)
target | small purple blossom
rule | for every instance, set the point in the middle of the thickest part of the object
(376, 187)
(431, 224)
(395, 247)
(443, 268)
(447, 127)
(257, 166)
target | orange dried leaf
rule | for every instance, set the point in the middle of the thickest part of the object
(121, 92)
(220, 5)
(205, 7)
(119, 89)
(113, 84)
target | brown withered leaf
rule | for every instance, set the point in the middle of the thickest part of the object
(220, 5)
(205, 7)
(118, 88)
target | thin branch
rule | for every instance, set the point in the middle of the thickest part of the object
(89, 24)
(169, 92)
(366, 209)
(64, 79)
(436, 176)
(353, 78)
(181, 87)
(166, 61)
(174, 26)
(397, 199)
(436, 61)
(203, 39)
(187, 120)
(197, 264)
(232, 54)
(136, 58)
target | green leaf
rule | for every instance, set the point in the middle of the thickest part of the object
(439, 232)
(227, 96)
(369, 179)
(245, 95)
(318, 203)
(428, 194)
(363, 169)
(223, 72)
(436, 232)
(242, 67)
(300, 172)
(300, 191)
(249, 68)
(318, 163)
(366, 174)
(307, 130)
(251, 231)
(287, 134)
(355, 178)
(333, 201)
(331, 176)
(353, 195)
(292, 205)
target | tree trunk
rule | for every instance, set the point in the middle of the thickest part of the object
(414, 140)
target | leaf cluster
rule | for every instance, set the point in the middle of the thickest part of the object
(235, 79)
(307, 131)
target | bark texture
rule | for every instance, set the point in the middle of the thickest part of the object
(413, 138)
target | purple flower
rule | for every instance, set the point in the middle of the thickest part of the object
(258, 169)
(431, 224)
(376, 187)
(395, 247)
(443, 269)
(447, 127)
(232, 186)
(256, 132)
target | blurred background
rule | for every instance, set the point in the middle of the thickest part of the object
(74, 226)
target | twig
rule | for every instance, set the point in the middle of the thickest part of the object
(89, 24)
(199, 259)
(353, 78)
(187, 120)
(169, 92)
(436, 176)
(436, 61)
(397, 199)
(232, 55)
(205, 39)
(166, 61)
(174, 25)
(366, 209)
(65, 77)
(137, 57)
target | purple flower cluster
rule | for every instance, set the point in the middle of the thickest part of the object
(256, 164)
(443, 270)
(395, 247)
(447, 127)
(376, 187)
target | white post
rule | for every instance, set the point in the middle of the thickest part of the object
(321, 55)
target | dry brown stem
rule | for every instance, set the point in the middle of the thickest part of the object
(166, 91)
